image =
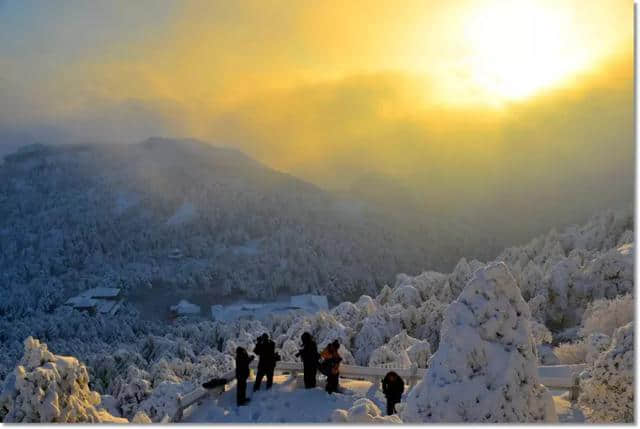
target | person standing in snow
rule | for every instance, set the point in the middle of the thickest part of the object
(309, 355)
(242, 373)
(392, 387)
(266, 351)
(331, 361)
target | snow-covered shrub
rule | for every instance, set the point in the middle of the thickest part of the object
(485, 369)
(596, 344)
(156, 348)
(130, 389)
(163, 400)
(347, 313)
(402, 351)
(211, 365)
(384, 355)
(367, 305)
(608, 394)
(430, 316)
(104, 368)
(540, 333)
(49, 388)
(419, 353)
(430, 284)
(546, 356)
(571, 353)
(405, 295)
(383, 296)
(604, 316)
(373, 332)
(363, 410)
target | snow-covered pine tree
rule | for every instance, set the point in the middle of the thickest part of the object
(485, 368)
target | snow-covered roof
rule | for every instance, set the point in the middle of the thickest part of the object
(185, 307)
(105, 306)
(101, 292)
(305, 301)
(80, 302)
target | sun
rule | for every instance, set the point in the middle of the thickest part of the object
(519, 47)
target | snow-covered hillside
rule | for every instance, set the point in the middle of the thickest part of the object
(184, 214)
(564, 278)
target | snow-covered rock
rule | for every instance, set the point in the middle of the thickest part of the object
(485, 369)
(47, 388)
(363, 411)
(141, 418)
(607, 395)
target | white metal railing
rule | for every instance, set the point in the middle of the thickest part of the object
(554, 377)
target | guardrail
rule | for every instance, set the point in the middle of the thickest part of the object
(553, 376)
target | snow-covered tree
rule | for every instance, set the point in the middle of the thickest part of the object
(607, 395)
(485, 369)
(47, 388)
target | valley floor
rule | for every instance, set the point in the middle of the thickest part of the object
(289, 402)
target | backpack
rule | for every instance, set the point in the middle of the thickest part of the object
(325, 367)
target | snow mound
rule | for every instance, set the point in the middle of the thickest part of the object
(607, 395)
(48, 388)
(485, 369)
(362, 411)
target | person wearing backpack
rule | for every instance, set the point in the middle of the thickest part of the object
(331, 366)
(242, 373)
(392, 387)
(266, 351)
(309, 356)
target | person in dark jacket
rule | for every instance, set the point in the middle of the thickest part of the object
(332, 359)
(266, 351)
(392, 387)
(242, 373)
(309, 356)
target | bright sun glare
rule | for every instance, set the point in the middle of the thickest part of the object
(518, 48)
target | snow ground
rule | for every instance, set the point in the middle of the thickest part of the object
(289, 402)
(568, 412)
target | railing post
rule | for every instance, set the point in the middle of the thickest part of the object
(575, 388)
(414, 376)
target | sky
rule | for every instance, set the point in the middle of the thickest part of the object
(456, 101)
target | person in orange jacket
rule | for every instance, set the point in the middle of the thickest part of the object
(331, 366)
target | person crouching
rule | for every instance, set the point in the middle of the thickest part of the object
(392, 387)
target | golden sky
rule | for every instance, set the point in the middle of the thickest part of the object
(327, 90)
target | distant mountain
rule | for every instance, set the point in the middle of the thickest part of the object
(188, 216)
